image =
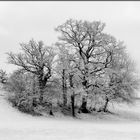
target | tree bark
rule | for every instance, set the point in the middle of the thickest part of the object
(83, 107)
(106, 104)
(42, 84)
(64, 88)
(33, 85)
(73, 104)
(73, 95)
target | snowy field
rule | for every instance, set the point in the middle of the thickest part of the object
(125, 125)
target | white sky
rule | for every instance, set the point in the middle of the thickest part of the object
(22, 21)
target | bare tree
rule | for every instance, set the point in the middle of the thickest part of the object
(120, 81)
(93, 48)
(123, 81)
(35, 59)
(62, 70)
(67, 70)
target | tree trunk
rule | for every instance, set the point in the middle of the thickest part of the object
(51, 108)
(42, 84)
(83, 107)
(64, 88)
(73, 104)
(34, 85)
(34, 103)
(105, 106)
(72, 96)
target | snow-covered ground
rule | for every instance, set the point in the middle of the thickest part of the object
(18, 126)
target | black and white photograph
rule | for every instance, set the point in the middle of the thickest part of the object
(69, 70)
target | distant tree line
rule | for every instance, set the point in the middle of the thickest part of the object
(85, 71)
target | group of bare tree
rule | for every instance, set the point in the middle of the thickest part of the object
(85, 66)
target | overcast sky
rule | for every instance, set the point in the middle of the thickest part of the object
(22, 21)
